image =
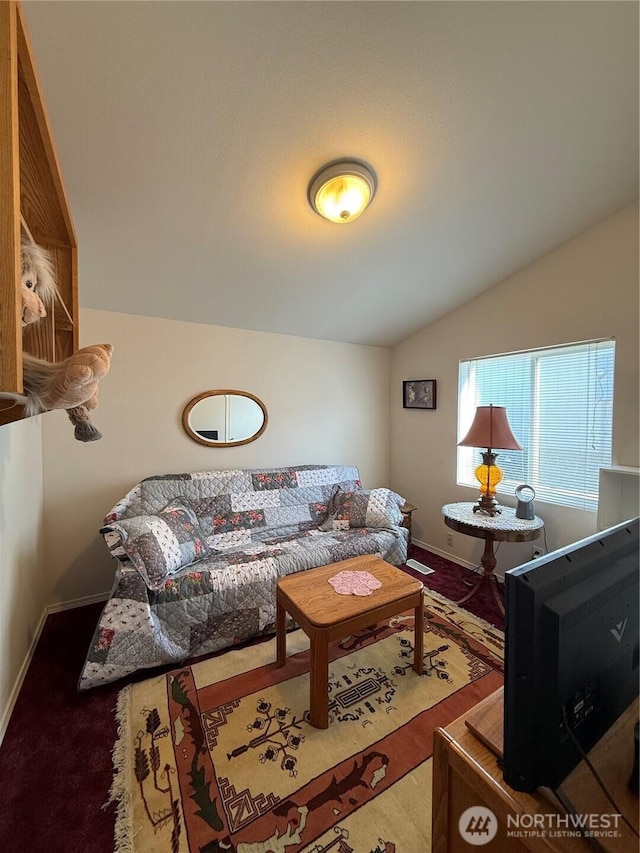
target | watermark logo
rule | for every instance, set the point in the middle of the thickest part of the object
(478, 825)
(563, 825)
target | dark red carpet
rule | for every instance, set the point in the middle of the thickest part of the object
(454, 582)
(55, 761)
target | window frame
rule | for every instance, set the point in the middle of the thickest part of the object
(530, 405)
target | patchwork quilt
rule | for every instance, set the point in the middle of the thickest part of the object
(199, 556)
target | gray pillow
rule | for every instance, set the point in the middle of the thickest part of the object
(161, 544)
(378, 508)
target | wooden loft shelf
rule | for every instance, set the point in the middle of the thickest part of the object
(32, 199)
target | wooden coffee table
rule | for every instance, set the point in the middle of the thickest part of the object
(325, 615)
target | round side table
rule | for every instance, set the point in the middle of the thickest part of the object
(504, 527)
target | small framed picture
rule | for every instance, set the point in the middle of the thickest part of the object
(419, 394)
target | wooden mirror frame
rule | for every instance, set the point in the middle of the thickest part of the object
(223, 392)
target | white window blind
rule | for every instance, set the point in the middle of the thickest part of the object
(560, 406)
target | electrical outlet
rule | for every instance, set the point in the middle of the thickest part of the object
(536, 552)
(450, 539)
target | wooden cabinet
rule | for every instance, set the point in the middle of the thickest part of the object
(467, 775)
(32, 201)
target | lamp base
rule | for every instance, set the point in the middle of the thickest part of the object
(488, 475)
(488, 504)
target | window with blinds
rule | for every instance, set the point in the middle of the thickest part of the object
(559, 403)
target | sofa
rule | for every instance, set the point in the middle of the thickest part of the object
(198, 557)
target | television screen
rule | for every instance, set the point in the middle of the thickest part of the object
(571, 653)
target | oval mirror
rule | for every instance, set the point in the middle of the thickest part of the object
(224, 418)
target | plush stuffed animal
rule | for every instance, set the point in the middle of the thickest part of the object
(71, 384)
(37, 280)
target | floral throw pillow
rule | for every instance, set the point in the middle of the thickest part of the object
(161, 544)
(378, 508)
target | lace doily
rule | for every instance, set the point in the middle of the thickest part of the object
(354, 583)
(505, 521)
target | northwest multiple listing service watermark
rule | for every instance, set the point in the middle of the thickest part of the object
(478, 825)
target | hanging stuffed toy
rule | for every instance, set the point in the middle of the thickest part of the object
(71, 384)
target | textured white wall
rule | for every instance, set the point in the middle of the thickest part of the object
(587, 288)
(22, 590)
(327, 403)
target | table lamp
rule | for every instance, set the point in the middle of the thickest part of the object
(490, 429)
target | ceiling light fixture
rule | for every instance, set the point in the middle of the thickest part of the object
(341, 191)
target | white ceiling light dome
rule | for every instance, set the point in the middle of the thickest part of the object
(342, 190)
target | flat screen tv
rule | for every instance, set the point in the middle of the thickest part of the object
(571, 653)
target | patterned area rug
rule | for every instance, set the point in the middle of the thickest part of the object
(219, 756)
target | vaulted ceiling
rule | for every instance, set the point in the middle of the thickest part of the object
(187, 134)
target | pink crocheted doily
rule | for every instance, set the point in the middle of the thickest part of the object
(354, 583)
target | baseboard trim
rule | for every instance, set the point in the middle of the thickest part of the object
(13, 696)
(76, 602)
(47, 610)
(451, 557)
